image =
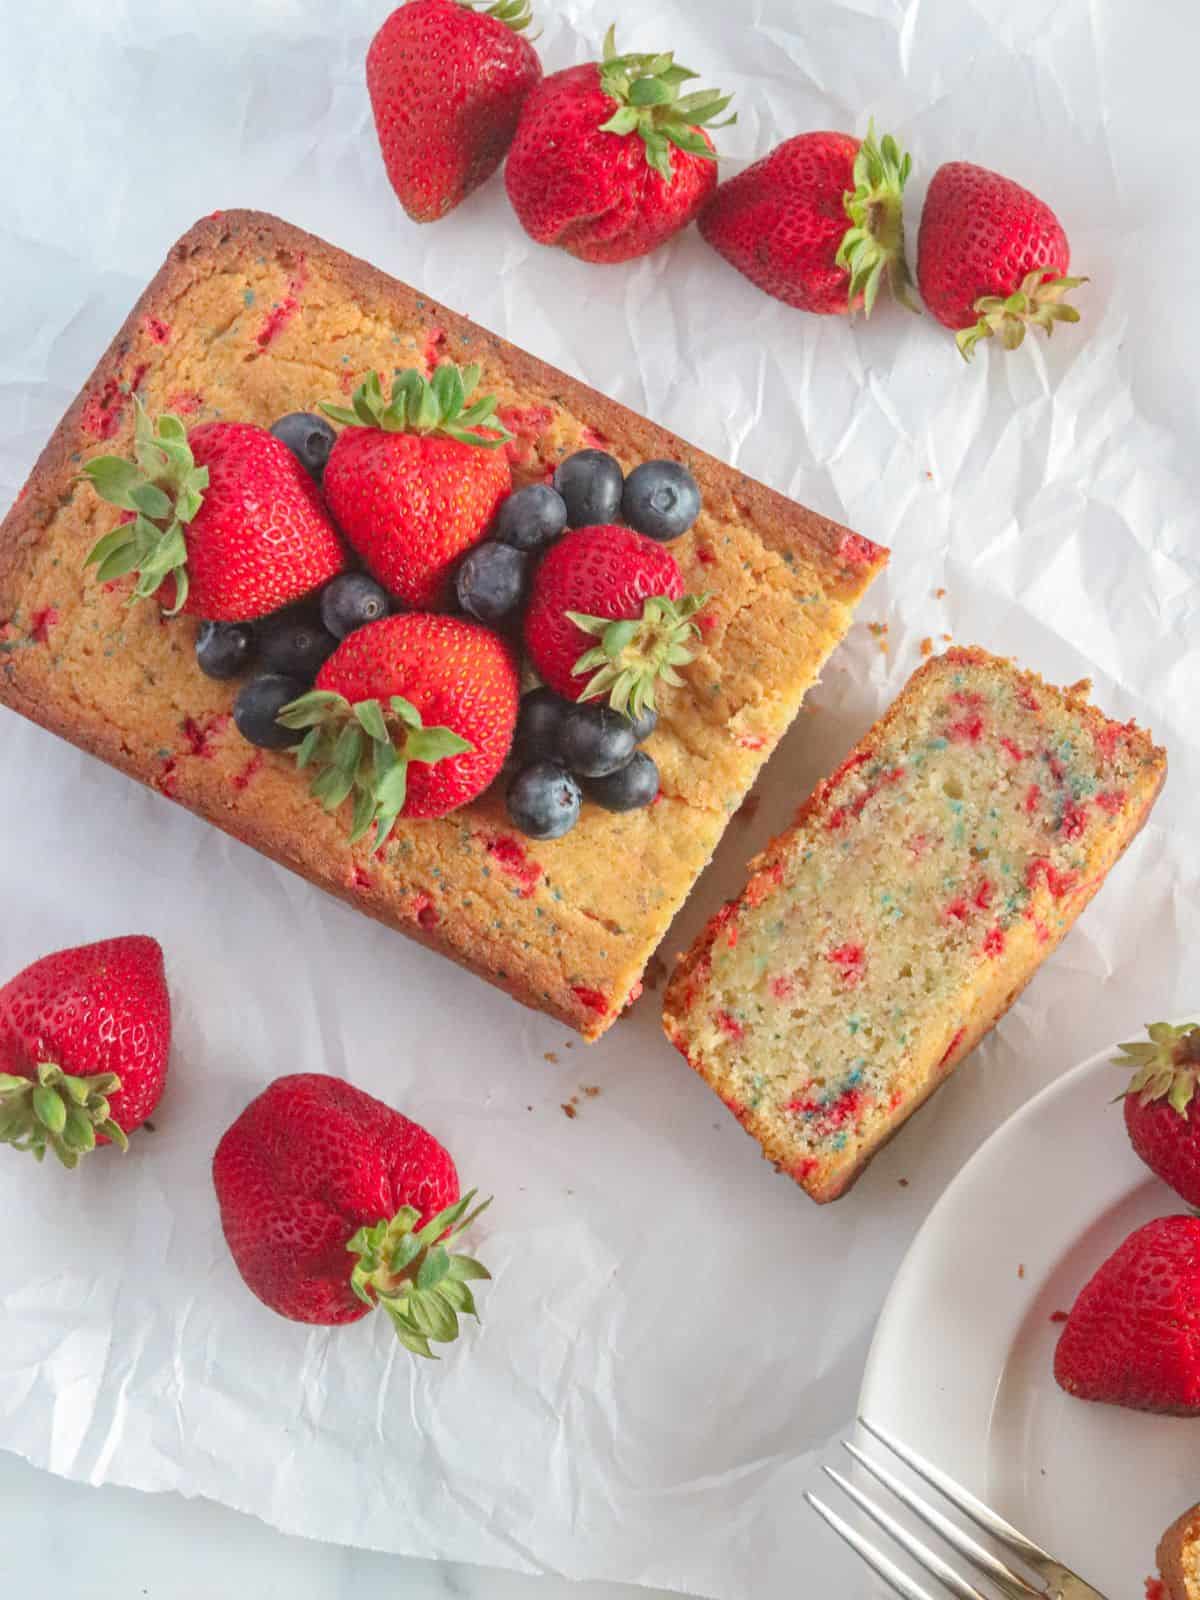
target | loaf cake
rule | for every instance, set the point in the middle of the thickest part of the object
(250, 319)
(1179, 1558)
(918, 892)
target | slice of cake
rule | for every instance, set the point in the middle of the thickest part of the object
(1179, 1558)
(250, 320)
(917, 894)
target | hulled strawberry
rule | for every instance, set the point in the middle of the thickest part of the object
(1162, 1112)
(608, 618)
(415, 480)
(332, 1204)
(412, 716)
(447, 82)
(224, 520)
(84, 1039)
(818, 223)
(610, 159)
(1133, 1336)
(991, 258)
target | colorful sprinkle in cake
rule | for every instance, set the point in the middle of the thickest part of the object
(918, 892)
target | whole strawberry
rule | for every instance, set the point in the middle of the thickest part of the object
(818, 223)
(1162, 1113)
(610, 159)
(412, 716)
(413, 481)
(1133, 1337)
(615, 586)
(447, 82)
(224, 520)
(84, 1040)
(991, 258)
(332, 1204)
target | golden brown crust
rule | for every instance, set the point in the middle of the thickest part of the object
(545, 924)
(1179, 1557)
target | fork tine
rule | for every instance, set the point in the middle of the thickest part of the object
(982, 1516)
(982, 1560)
(875, 1559)
(920, 1552)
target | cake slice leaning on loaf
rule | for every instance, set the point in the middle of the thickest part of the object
(1179, 1558)
(918, 892)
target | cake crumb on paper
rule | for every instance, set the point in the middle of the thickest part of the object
(551, 1058)
(569, 1109)
(927, 646)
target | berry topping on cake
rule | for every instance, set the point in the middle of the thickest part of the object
(224, 649)
(661, 499)
(595, 740)
(294, 643)
(544, 800)
(309, 437)
(352, 601)
(1162, 1110)
(630, 787)
(590, 484)
(415, 480)
(532, 518)
(257, 708)
(539, 723)
(490, 584)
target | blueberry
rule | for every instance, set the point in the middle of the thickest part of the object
(294, 643)
(538, 724)
(661, 499)
(532, 518)
(590, 483)
(629, 788)
(259, 702)
(491, 581)
(544, 800)
(595, 740)
(644, 725)
(308, 437)
(351, 602)
(224, 649)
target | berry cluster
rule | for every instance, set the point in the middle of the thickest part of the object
(565, 749)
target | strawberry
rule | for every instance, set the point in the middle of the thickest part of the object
(332, 1204)
(225, 520)
(413, 482)
(84, 1040)
(611, 584)
(578, 178)
(413, 716)
(1162, 1112)
(991, 258)
(818, 223)
(447, 83)
(1133, 1337)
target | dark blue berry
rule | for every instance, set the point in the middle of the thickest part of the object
(532, 518)
(629, 788)
(645, 724)
(544, 800)
(351, 602)
(539, 722)
(595, 740)
(309, 437)
(661, 499)
(224, 649)
(590, 483)
(491, 581)
(294, 643)
(259, 702)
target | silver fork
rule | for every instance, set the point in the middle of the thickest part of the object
(1056, 1581)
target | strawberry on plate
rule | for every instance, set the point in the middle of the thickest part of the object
(1162, 1112)
(415, 480)
(818, 223)
(412, 716)
(608, 618)
(223, 520)
(332, 1204)
(1133, 1337)
(992, 258)
(447, 81)
(610, 159)
(84, 1039)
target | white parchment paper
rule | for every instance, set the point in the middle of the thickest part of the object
(674, 1335)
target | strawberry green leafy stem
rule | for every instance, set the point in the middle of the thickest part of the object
(427, 405)
(414, 1274)
(1167, 1065)
(636, 654)
(164, 487)
(54, 1111)
(646, 89)
(872, 249)
(1038, 303)
(353, 751)
(514, 14)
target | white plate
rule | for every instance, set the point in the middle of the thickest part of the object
(962, 1362)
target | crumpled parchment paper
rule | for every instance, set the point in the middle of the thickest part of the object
(674, 1335)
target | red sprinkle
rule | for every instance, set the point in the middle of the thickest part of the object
(277, 319)
(510, 855)
(200, 737)
(186, 403)
(1010, 747)
(782, 988)
(705, 621)
(918, 845)
(729, 1025)
(434, 340)
(243, 779)
(851, 962)
(751, 741)
(591, 998)
(359, 879)
(103, 411)
(706, 556)
(968, 731)
(952, 1046)
(158, 330)
(826, 1117)
(166, 778)
(1032, 797)
(1060, 1316)
(1026, 697)
(635, 994)
(1057, 771)
(1111, 802)
(1058, 883)
(841, 814)
(761, 884)
(593, 439)
(805, 1170)
(1074, 821)
(993, 942)
(528, 423)
(855, 551)
(43, 621)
